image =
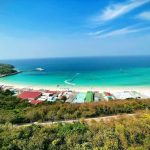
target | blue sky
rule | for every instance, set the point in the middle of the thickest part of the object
(66, 28)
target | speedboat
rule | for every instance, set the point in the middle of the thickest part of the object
(39, 69)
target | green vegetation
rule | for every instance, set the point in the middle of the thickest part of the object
(11, 108)
(128, 133)
(14, 110)
(6, 69)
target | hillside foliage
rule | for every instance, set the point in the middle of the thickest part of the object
(6, 69)
(15, 110)
(128, 133)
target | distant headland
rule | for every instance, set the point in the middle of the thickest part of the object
(7, 70)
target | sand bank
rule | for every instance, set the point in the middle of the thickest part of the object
(141, 89)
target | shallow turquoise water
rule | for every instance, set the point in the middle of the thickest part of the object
(99, 71)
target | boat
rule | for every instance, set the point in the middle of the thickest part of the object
(39, 69)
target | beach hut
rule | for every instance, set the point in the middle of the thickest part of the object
(80, 98)
(107, 96)
(89, 97)
(123, 95)
(128, 95)
(72, 97)
(51, 92)
(61, 94)
(97, 97)
(67, 94)
(43, 98)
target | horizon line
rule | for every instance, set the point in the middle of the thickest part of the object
(61, 57)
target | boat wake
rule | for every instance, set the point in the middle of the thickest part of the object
(70, 81)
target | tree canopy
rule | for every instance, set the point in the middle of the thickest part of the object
(128, 133)
(6, 69)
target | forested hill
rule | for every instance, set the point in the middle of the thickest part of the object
(127, 133)
(123, 134)
(7, 69)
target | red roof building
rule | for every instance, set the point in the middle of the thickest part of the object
(36, 102)
(30, 95)
(51, 92)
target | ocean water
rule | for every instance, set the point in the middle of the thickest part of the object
(89, 71)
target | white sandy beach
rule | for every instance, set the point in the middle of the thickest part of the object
(141, 89)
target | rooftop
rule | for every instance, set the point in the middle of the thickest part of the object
(36, 102)
(30, 95)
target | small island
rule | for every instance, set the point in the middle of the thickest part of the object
(7, 69)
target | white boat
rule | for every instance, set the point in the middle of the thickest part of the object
(39, 69)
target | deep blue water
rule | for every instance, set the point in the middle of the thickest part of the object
(89, 71)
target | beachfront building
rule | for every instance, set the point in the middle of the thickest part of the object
(107, 96)
(97, 97)
(36, 97)
(35, 102)
(80, 98)
(30, 95)
(89, 97)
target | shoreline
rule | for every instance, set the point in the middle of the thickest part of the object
(143, 89)
(11, 74)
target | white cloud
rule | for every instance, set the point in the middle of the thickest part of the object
(122, 31)
(116, 10)
(144, 15)
(96, 32)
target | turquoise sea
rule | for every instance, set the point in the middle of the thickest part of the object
(83, 71)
